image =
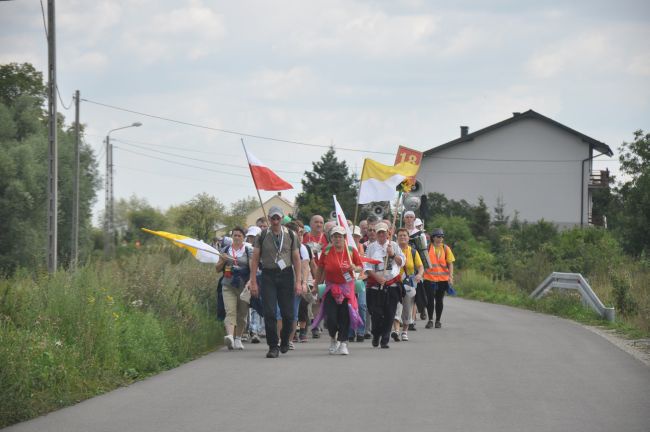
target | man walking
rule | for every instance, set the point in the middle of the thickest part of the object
(276, 249)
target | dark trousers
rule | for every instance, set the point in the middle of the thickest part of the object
(338, 318)
(420, 298)
(278, 289)
(382, 305)
(435, 292)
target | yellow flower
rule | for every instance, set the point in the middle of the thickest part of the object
(109, 299)
(91, 300)
(116, 316)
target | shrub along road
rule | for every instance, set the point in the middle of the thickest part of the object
(490, 368)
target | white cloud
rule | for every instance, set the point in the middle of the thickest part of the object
(190, 32)
(640, 65)
(295, 82)
(586, 50)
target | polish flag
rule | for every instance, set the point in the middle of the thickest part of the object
(264, 178)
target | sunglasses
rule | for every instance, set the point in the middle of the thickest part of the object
(438, 236)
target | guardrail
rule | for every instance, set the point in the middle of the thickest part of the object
(574, 281)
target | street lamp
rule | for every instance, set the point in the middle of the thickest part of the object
(109, 199)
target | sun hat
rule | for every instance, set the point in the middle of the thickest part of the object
(253, 231)
(356, 231)
(381, 227)
(337, 230)
(418, 222)
(437, 232)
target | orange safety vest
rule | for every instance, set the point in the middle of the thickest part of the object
(439, 271)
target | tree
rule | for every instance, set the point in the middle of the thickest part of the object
(635, 194)
(239, 210)
(136, 213)
(329, 177)
(200, 215)
(480, 219)
(500, 217)
(23, 175)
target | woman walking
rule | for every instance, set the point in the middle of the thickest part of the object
(439, 276)
(236, 272)
(336, 268)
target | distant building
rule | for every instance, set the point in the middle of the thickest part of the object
(535, 165)
(276, 200)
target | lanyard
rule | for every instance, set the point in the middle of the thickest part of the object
(278, 248)
(234, 253)
(341, 260)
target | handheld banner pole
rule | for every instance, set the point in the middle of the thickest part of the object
(356, 207)
(254, 182)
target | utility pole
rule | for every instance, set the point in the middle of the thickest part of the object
(108, 241)
(52, 171)
(75, 189)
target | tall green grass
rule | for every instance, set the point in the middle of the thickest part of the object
(73, 335)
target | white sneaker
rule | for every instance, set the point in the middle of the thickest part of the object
(405, 336)
(229, 342)
(334, 345)
(343, 349)
(238, 344)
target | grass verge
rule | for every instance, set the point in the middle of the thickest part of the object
(78, 334)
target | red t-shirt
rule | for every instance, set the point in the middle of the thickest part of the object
(337, 263)
(321, 238)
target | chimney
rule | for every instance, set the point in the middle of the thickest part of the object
(279, 193)
(464, 130)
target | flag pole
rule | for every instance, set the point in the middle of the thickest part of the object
(347, 249)
(356, 207)
(254, 182)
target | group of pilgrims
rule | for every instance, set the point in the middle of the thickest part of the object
(309, 278)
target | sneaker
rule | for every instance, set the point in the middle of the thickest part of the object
(284, 348)
(438, 325)
(303, 338)
(405, 336)
(255, 338)
(315, 334)
(360, 338)
(292, 346)
(385, 345)
(229, 341)
(429, 325)
(423, 315)
(395, 336)
(273, 352)
(342, 349)
(375, 341)
(238, 344)
(244, 337)
(334, 346)
(367, 336)
(412, 327)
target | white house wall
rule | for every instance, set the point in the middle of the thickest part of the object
(525, 173)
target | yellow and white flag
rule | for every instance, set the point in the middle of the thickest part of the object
(378, 181)
(199, 249)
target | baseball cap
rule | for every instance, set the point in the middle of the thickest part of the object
(337, 230)
(356, 230)
(417, 222)
(276, 211)
(409, 213)
(381, 227)
(253, 231)
(437, 232)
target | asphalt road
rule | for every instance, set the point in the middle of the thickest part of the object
(490, 368)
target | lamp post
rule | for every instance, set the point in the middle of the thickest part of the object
(108, 212)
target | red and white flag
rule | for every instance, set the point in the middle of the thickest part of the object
(264, 178)
(342, 221)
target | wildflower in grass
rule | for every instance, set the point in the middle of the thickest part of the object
(116, 316)
(136, 303)
(58, 344)
(91, 300)
(109, 300)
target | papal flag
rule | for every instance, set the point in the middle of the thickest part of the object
(199, 249)
(378, 181)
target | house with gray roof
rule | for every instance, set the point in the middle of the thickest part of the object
(534, 165)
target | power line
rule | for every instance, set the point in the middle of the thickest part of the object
(188, 165)
(167, 175)
(233, 132)
(205, 161)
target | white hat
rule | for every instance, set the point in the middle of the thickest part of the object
(356, 230)
(418, 222)
(409, 213)
(253, 230)
(337, 230)
(381, 227)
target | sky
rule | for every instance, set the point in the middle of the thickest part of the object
(363, 76)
